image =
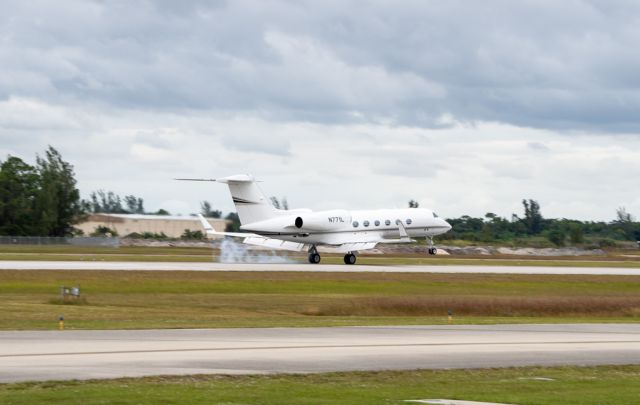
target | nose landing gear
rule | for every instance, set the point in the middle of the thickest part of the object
(432, 250)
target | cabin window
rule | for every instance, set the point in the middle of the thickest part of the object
(398, 222)
(365, 223)
(377, 223)
(387, 222)
(355, 224)
(409, 221)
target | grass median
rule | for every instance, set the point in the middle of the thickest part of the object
(183, 299)
(528, 385)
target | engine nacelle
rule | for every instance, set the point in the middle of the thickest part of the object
(323, 221)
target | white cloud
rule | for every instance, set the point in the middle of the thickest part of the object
(148, 153)
(24, 114)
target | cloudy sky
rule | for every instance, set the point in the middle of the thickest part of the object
(465, 106)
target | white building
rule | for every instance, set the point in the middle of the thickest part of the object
(125, 224)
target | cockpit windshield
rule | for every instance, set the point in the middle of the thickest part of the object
(435, 215)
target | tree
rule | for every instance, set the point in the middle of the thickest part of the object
(134, 204)
(532, 217)
(207, 212)
(625, 225)
(576, 233)
(102, 230)
(234, 222)
(623, 216)
(18, 187)
(413, 204)
(188, 234)
(58, 199)
(280, 204)
(162, 211)
(557, 237)
(108, 202)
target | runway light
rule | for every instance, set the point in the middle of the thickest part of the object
(61, 322)
(450, 317)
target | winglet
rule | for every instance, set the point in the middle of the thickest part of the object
(402, 230)
(404, 236)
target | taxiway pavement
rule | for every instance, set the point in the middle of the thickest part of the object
(59, 355)
(303, 267)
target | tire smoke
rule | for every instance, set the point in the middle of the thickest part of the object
(234, 252)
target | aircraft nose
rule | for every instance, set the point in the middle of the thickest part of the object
(446, 224)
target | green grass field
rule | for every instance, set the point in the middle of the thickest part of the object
(144, 299)
(531, 385)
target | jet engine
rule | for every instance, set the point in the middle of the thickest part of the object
(323, 221)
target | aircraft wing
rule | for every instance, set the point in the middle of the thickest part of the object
(272, 243)
(360, 246)
(347, 247)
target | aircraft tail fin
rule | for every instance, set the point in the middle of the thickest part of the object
(252, 205)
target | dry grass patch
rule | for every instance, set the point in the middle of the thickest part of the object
(482, 306)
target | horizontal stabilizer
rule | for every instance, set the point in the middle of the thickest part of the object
(210, 231)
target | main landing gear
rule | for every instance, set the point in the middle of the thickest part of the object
(349, 258)
(432, 250)
(314, 257)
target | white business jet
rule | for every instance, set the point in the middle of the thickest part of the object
(339, 231)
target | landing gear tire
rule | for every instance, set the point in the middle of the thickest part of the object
(432, 250)
(314, 258)
(349, 258)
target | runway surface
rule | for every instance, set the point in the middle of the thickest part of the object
(301, 267)
(55, 355)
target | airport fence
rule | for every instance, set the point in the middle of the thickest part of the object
(53, 240)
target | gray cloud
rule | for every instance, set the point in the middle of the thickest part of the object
(260, 143)
(538, 147)
(564, 65)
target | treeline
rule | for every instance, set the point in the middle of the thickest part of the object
(533, 226)
(40, 199)
(108, 202)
